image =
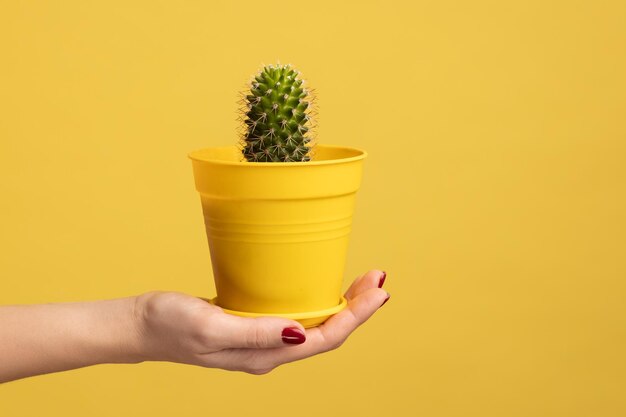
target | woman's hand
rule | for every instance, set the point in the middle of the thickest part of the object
(166, 326)
(180, 328)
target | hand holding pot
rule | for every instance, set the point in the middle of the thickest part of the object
(168, 326)
(180, 328)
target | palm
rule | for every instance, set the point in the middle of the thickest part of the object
(186, 329)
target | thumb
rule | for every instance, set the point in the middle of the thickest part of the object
(230, 331)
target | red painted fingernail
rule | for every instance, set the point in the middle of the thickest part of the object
(293, 336)
(386, 299)
(382, 279)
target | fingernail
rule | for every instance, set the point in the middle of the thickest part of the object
(293, 336)
(382, 279)
(386, 299)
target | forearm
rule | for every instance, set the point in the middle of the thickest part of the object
(38, 339)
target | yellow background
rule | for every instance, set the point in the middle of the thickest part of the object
(494, 194)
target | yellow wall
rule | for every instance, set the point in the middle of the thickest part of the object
(494, 194)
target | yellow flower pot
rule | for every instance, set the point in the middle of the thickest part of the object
(278, 231)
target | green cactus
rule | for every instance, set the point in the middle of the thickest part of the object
(277, 117)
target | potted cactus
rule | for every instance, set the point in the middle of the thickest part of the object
(278, 208)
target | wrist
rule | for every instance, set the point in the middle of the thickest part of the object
(136, 344)
(142, 343)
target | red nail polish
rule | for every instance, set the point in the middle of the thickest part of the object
(382, 279)
(386, 299)
(293, 336)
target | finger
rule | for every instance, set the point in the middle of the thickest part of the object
(230, 331)
(372, 279)
(328, 336)
(338, 327)
(349, 294)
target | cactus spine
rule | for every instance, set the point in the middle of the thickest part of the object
(277, 117)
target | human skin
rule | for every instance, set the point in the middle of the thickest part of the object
(173, 327)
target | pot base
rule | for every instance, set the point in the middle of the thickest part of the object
(307, 319)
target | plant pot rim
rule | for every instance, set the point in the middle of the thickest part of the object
(210, 155)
